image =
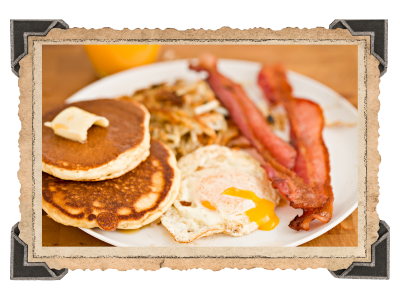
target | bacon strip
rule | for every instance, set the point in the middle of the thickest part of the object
(245, 114)
(312, 161)
(278, 155)
(273, 82)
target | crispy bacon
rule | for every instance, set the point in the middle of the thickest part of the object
(246, 115)
(277, 154)
(312, 161)
(272, 80)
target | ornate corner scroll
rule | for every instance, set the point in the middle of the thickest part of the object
(21, 269)
(378, 267)
(376, 29)
(21, 29)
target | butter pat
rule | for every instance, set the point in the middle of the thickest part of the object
(73, 123)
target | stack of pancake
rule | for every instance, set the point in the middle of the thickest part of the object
(117, 178)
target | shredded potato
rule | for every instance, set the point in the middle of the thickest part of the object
(185, 116)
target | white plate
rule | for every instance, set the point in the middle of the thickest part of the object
(341, 143)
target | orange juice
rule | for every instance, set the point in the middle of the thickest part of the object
(110, 59)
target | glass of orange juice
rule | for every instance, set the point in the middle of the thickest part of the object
(110, 59)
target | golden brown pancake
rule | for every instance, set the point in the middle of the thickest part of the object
(127, 202)
(108, 152)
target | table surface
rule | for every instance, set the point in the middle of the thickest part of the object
(67, 69)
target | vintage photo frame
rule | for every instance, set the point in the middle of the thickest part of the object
(371, 65)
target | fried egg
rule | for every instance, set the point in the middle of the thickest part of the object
(222, 190)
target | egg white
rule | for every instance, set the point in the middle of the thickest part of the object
(205, 174)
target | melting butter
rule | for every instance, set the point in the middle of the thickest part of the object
(73, 123)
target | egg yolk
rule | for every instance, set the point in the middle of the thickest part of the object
(263, 214)
(208, 205)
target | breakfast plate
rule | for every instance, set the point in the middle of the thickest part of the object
(341, 143)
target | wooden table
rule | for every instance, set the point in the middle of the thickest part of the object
(66, 69)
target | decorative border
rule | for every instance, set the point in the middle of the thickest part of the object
(55, 275)
(356, 28)
(379, 267)
(29, 25)
(28, 270)
(180, 41)
(19, 250)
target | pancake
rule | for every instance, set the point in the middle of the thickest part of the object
(108, 152)
(131, 201)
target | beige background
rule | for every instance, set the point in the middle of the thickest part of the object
(332, 258)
